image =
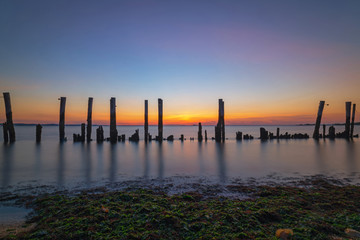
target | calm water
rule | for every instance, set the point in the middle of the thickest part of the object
(53, 163)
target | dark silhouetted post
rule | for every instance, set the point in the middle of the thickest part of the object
(99, 134)
(222, 112)
(82, 137)
(206, 136)
(200, 137)
(38, 133)
(318, 120)
(5, 132)
(89, 119)
(160, 119)
(239, 136)
(220, 127)
(353, 121)
(277, 133)
(332, 132)
(9, 120)
(264, 135)
(113, 131)
(62, 119)
(182, 137)
(347, 123)
(146, 122)
(324, 131)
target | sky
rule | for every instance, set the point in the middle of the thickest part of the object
(270, 61)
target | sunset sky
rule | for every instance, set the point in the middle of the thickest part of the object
(271, 61)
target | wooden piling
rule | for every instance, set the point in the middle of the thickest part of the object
(89, 119)
(160, 120)
(347, 123)
(324, 131)
(222, 112)
(82, 137)
(38, 133)
(146, 122)
(182, 137)
(62, 119)
(220, 127)
(239, 136)
(277, 133)
(318, 120)
(206, 138)
(331, 132)
(99, 134)
(5, 133)
(9, 120)
(113, 131)
(200, 137)
(353, 121)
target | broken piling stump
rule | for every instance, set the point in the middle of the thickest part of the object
(9, 121)
(62, 119)
(206, 138)
(324, 131)
(239, 136)
(38, 133)
(160, 120)
(89, 120)
(181, 137)
(170, 138)
(332, 132)
(113, 131)
(264, 135)
(100, 134)
(135, 137)
(347, 123)
(277, 133)
(318, 120)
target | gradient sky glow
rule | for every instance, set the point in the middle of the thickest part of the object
(271, 61)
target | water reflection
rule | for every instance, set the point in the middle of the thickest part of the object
(113, 157)
(146, 161)
(351, 156)
(8, 158)
(320, 152)
(200, 158)
(37, 165)
(100, 159)
(86, 161)
(220, 154)
(161, 161)
(61, 164)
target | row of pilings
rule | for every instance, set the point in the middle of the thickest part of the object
(9, 130)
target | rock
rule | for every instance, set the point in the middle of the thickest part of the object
(352, 233)
(284, 234)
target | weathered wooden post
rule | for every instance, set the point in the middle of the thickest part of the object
(347, 123)
(160, 120)
(222, 112)
(220, 127)
(5, 132)
(318, 120)
(113, 131)
(89, 120)
(38, 133)
(182, 137)
(277, 133)
(239, 136)
(146, 122)
(62, 119)
(206, 136)
(332, 132)
(353, 121)
(82, 137)
(264, 135)
(324, 131)
(200, 137)
(9, 120)
(99, 134)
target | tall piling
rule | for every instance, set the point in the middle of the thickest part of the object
(9, 120)
(62, 119)
(324, 131)
(89, 120)
(160, 120)
(200, 137)
(318, 120)
(347, 123)
(5, 133)
(277, 133)
(146, 122)
(206, 137)
(352, 121)
(38, 133)
(82, 136)
(220, 127)
(113, 131)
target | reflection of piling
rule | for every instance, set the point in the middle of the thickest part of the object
(89, 119)
(277, 133)
(160, 120)
(324, 131)
(38, 133)
(113, 131)
(220, 127)
(352, 121)
(347, 123)
(318, 120)
(146, 122)
(200, 137)
(62, 119)
(9, 120)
